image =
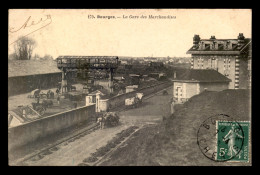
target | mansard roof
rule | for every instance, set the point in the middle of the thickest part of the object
(236, 50)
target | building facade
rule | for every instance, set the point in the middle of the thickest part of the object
(230, 57)
(193, 82)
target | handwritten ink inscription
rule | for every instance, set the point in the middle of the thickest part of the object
(35, 25)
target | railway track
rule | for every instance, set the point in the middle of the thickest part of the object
(54, 147)
(106, 156)
(123, 108)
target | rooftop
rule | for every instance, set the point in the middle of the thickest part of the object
(16, 117)
(200, 75)
(102, 92)
(220, 46)
(31, 67)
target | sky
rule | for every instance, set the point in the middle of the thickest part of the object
(73, 32)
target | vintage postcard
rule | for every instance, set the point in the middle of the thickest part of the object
(129, 87)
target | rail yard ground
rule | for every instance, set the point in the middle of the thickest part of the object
(159, 138)
(73, 153)
(23, 100)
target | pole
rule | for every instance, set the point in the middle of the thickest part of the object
(111, 80)
(63, 81)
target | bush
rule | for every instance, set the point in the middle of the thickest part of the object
(90, 159)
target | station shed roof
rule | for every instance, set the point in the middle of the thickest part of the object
(31, 67)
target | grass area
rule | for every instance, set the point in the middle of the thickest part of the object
(174, 141)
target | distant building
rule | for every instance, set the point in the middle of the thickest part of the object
(150, 59)
(193, 82)
(22, 115)
(131, 88)
(156, 65)
(134, 79)
(157, 76)
(230, 57)
(123, 62)
(141, 61)
(27, 75)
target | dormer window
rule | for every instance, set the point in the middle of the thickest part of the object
(207, 46)
(220, 46)
(234, 46)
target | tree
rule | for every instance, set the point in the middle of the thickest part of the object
(12, 56)
(47, 57)
(36, 56)
(23, 48)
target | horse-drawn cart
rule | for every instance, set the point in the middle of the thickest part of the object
(108, 119)
(35, 93)
(41, 107)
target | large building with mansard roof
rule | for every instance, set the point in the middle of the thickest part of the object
(230, 57)
(216, 65)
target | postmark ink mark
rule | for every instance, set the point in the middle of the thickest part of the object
(221, 138)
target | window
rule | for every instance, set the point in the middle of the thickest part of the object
(227, 66)
(209, 63)
(64, 60)
(82, 61)
(220, 46)
(200, 63)
(102, 61)
(215, 64)
(92, 60)
(207, 46)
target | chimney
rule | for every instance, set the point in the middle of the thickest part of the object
(212, 37)
(174, 75)
(241, 39)
(196, 40)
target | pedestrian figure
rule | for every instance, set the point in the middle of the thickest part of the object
(58, 99)
(172, 107)
(52, 95)
(57, 91)
(48, 94)
(101, 122)
(38, 99)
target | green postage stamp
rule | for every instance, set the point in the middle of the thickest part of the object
(232, 141)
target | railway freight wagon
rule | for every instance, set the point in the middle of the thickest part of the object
(86, 62)
(134, 102)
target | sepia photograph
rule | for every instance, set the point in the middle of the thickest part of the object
(129, 87)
